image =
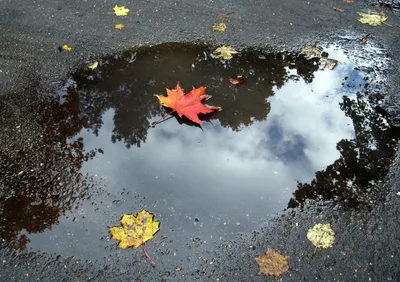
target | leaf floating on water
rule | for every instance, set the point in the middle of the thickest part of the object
(330, 64)
(373, 18)
(219, 27)
(135, 230)
(311, 52)
(120, 11)
(272, 263)
(132, 57)
(94, 65)
(225, 52)
(65, 48)
(236, 80)
(314, 52)
(119, 26)
(321, 235)
(188, 105)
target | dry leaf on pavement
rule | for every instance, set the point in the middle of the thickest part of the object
(272, 263)
(373, 18)
(321, 235)
(219, 27)
(120, 11)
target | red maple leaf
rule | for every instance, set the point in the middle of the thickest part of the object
(188, 105)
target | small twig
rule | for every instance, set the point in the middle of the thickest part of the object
(300, 273)
(147, 255)
(162, 118)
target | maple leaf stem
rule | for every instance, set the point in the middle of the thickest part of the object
(300, 273)
(147, 255)
(162, 118)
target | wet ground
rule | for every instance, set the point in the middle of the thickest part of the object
(291, 134)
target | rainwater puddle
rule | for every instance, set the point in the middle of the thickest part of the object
(286, 122)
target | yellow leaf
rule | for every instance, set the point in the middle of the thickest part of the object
(272, 263)
(225, 52)
(373, 18)
(135, 230)
(66, 48)
(94, 65)
(121, 10)
(219, 27)
(321, 235)
(119, 26)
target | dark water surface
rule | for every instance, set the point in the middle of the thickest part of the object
(288, 121)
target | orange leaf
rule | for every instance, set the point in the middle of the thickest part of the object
(272, 263)
(188, 105)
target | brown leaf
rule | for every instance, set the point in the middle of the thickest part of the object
(272, 263)
(223, 16)
(349, 1)
(338, 9)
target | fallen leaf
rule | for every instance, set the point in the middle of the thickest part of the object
(188, 105)
(338, 9)
(94, 65)
(311, 52)
(328, 63)
(372, 18)
(225, 52)
(223, 16)
(177, 269)
(219, 27)
(364, 40)
(272, 263)
(119, 26)
(321, 235)
(65, 48)
(121, 11)
(236, 80)
(349, 1)
(135, 230)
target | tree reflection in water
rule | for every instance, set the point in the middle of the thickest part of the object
(39, 166)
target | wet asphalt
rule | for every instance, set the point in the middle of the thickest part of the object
(367, 240)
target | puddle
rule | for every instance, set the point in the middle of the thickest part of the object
(289, 133)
